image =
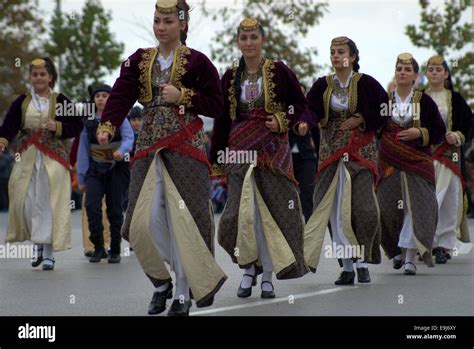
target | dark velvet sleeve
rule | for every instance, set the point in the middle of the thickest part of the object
(124, 93)
(294, 99)
(431, 120)
(223, 124)
(12, 122)
(70, 126)
(315, 100)
(371, 98)
(206, 93)
(462, 117)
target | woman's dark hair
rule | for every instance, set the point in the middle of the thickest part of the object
(240, 70)
(354, 51)
(448, 83)
(183, 15)
(50, 68)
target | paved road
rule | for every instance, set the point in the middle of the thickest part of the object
(77, 287)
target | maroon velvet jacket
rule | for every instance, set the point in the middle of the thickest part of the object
(282, 90)
(68, 126)
(369, 94)
(192, 72)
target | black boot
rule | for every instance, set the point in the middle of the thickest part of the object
(158, 302)
(179, 308)
(363, 275)
(98, 254)
(346, 278)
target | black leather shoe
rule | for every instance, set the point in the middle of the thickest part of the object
(158, 302)
(409, 271)
(363, 275)
(267, 294)
(346, 278)
(247, 292)
(114, 258)
(98, 255)
(398, 263)
(88, 254)
(440, 257)
(48, 266)
(39, 258)
(179, 308)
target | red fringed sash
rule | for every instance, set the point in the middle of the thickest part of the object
(439, 155)
(352, 150)
(400, 155)
(177, 142)
(35, 139)
(273, 149)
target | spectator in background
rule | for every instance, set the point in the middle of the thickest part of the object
(6, 164)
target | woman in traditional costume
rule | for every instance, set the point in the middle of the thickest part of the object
(261, 227)
(169, 216)
(348, 107)
(450, 185)
(406, 186)
(40, 183)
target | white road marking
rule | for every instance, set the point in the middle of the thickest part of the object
(271, 301)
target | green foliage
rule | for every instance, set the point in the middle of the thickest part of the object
(285, 23)
(87, 48)
(446, 36)
(20, 29)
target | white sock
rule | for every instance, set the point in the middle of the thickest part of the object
(347, 264)
(398, 258)
(267, 276)
(162, 288)
(410, 258)
(182, 289)
(247, 280)
(48, 253)
(362, 265)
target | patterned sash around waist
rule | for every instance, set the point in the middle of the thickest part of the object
(46, 142)
(273, 149)
(405, 156)
(450, 156)
(353, 145)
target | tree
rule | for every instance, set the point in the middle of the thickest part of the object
(278, 18)
(87, 48)
(444, 34)
(20, 29)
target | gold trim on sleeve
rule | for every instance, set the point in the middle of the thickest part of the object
(186, 97)
(461, 136)
(283, 122)
(425, 136)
